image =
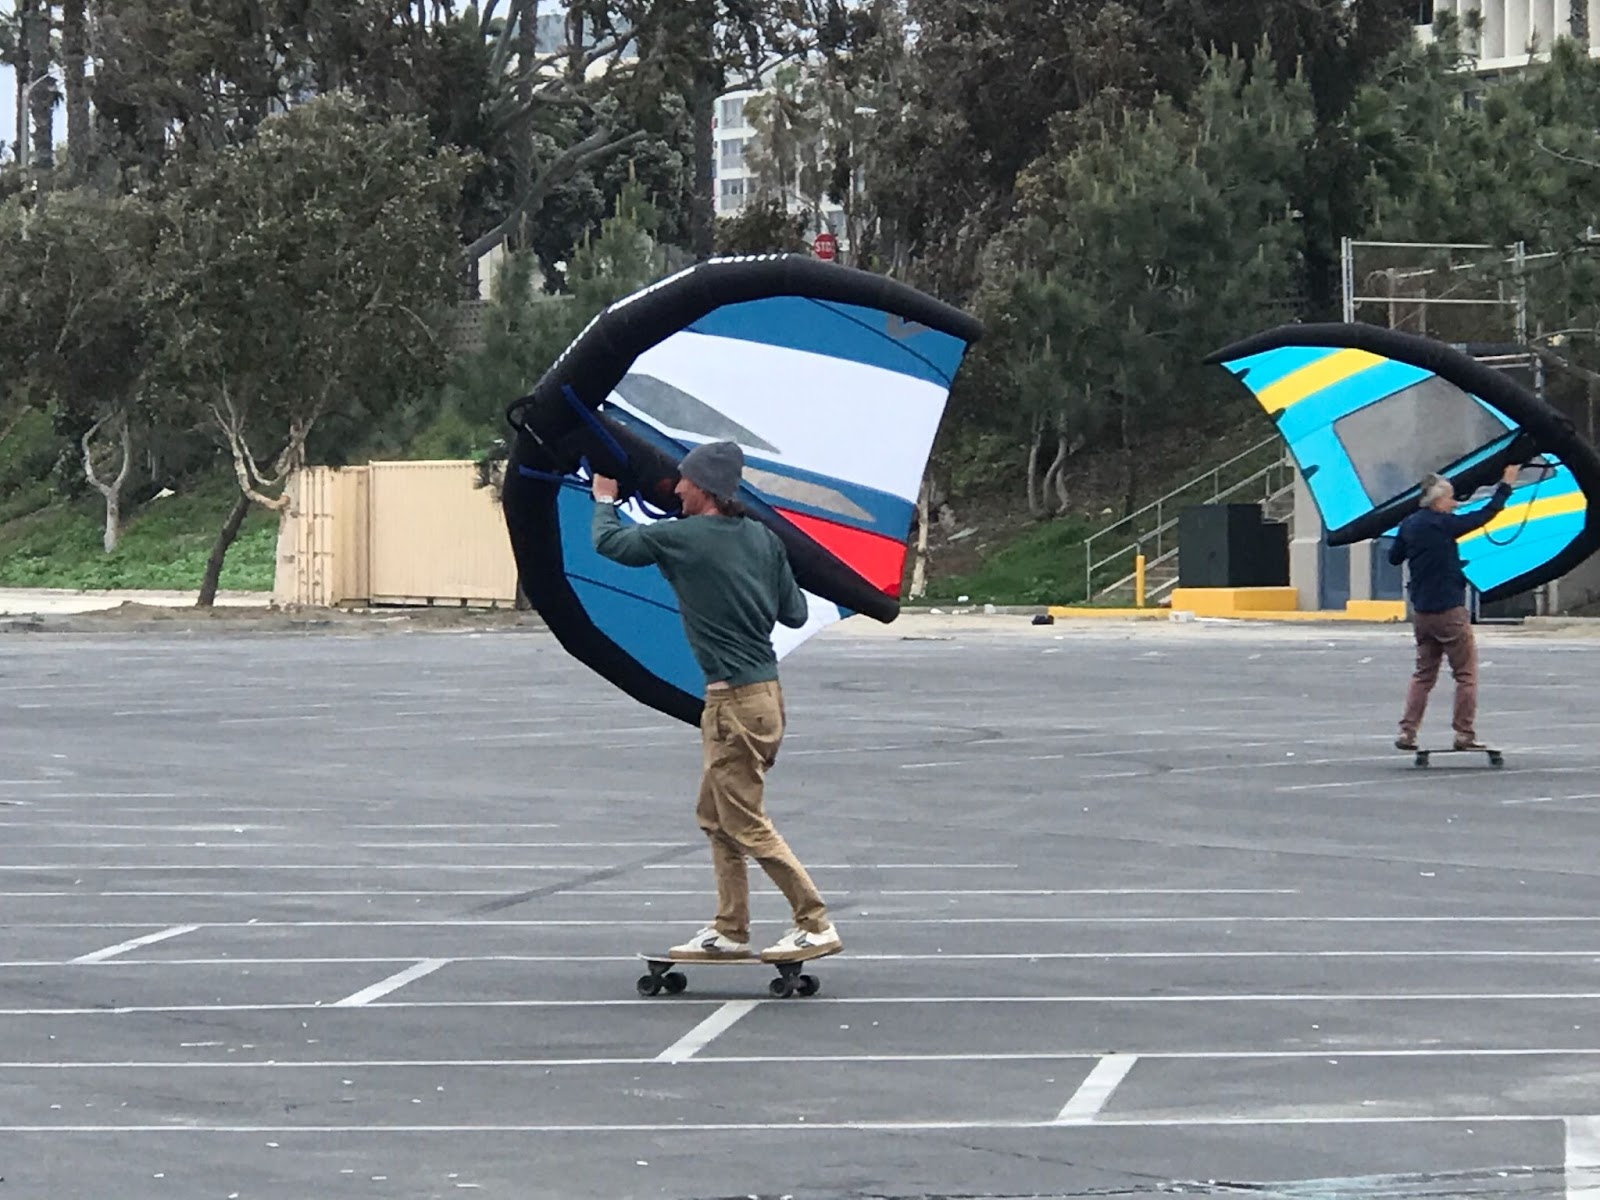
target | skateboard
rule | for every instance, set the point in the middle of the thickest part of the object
(1496, 758)
(791, 980)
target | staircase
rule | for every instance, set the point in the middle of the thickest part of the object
(1263, 474)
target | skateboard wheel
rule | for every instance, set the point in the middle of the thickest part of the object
(1497, 760)
(1422, 760)
(781, 988)
(676, 981)
(810, 985)
(648, 985)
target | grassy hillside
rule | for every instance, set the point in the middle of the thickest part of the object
(988, 550)
(164, 545)
(1041, 564)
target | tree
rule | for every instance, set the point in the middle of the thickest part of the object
(788, 154)
(1144, 241)
(978, 97)
(527, 330)
(763, 226)
(702, 49)
(73, 328)
(301, 276)
(74, 55)
(36, 89)
(1338, 48)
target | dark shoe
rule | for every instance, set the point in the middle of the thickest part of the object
(1471, 743)
(1406, 741)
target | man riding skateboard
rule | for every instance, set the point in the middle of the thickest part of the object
(1443, 629)
(732, 578)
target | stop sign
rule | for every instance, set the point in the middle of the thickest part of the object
(826, 247)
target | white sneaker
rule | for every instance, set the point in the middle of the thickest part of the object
(800, 944)
(709, 943)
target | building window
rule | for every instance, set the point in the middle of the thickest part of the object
(732, 112)
(733, 153)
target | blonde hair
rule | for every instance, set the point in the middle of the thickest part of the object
(1435, 487)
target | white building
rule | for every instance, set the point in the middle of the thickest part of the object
(1510, 27)
(735, 181)
(733, 133)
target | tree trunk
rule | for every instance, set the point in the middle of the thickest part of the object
(919, 567)
(112, 490)
(113, 522)
(23, 74)
(703, 194)
(1052, 477)
(219, 551)
(74, 53)
(1580, 22)
(697, 23)
(1035, 491)
(41, 99)
(1063, 453)
(1130, 461)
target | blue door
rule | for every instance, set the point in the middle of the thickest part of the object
(1333, 576)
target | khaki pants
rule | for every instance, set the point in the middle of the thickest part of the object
(740, 731)
(1442, 635)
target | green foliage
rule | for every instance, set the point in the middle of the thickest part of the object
(1041, 566)
(763, 226)
(300, 281)
(1144, 241)
(72, 279)
(29, 450)
(526, 329)
(164, 546)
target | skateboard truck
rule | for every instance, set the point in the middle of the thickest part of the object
(1496, 757)
(663, 976)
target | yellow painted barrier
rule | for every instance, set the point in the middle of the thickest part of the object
(1138, 581)
(1234, 602)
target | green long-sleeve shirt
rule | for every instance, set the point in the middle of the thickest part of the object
(732, 579)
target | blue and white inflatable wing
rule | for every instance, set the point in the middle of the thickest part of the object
(1368, 412)
(832, 380)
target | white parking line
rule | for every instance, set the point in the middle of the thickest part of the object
(345, 868)
(221, 841)
(134, 943)
(598, 891)
(790, 1127)
(1087, 892)
(1093, 1092)
(1583, 1158)
(701, 1035)
(1592, 955)
(751, 1060)
(580, 924)
(368, 996)
(392, 984)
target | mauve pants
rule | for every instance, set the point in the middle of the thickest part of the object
(1439, 636)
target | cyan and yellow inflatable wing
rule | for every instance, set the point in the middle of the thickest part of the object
(1368, 412)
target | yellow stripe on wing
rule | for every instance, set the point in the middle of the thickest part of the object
(1325, 372)
(1513, 514)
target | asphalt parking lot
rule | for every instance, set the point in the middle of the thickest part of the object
(1127, 910)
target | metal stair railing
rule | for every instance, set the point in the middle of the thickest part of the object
(1158, 541)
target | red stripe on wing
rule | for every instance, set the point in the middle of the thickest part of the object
(880, 560)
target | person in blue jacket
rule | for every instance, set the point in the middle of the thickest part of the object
(1438, 587)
